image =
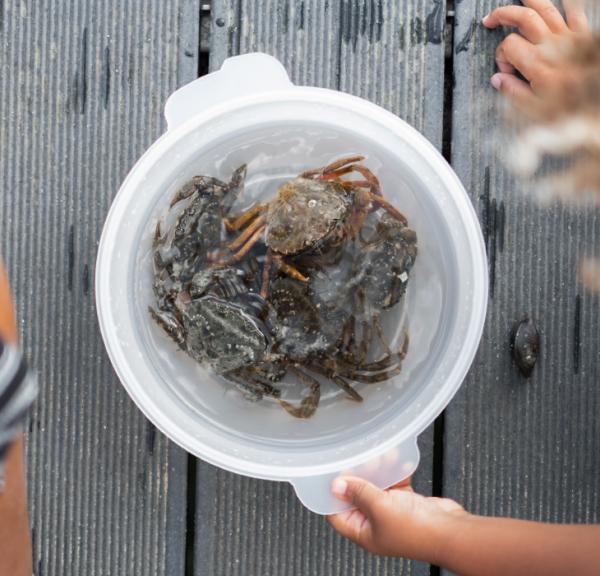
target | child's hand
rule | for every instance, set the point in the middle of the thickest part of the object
(394, 522)
(533, 52)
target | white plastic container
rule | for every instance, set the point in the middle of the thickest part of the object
(250, 112)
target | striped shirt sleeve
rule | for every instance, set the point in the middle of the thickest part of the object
(18, 389)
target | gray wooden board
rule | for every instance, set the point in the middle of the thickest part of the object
(82, 90)
(392, 54)
(517, 447)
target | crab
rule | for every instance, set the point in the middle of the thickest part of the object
(197, 231)
(303, 326)
(317, 210)
(181, 251)
(223, 322)
(379, 276)
(307, 331)
(223, 334)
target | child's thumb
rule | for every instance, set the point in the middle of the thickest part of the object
(359, 492)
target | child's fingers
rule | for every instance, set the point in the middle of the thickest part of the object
(354, 524)
(550, 14)
(516, 51)
(359, 492)
(350, 524)
(528, 21)
(517, 91)
(506, 67)
(576, 18)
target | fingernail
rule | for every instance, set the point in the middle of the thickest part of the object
(496, 81)
(485, 19)
(339, 486)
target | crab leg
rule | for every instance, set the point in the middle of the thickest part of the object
(244, 217)
(346, 368)
(252, 385)
(246, 247)
(339, 169)
(249, 389)
(383, 362)
(359, 372)
(170, 325)
(267, 389)
(367, 334)
(372, 180)
(351, 347)
(247, 233)
(348, 333)
(352, 393)
(404, 350)
(351, 184)
(309, 403)
(360, 347)
(380, 201)
(157, 239)
(289, 269)
(338, 381)
(264, 288)
(337, 174)
(334, 166)
(375, 378)
(337, 164)
(380, 334)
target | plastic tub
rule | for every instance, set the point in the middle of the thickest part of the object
(250, 112)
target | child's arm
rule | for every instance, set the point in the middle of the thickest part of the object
(504, 546)
(533, 52)
(15, 548)
(398, 522)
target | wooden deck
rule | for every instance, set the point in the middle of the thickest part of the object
(82, 90)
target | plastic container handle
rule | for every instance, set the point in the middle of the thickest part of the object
(384, 471)
(239, 76)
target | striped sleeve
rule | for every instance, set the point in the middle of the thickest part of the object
(17, 392)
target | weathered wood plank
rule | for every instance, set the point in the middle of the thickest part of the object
(392, 53)
(83, 86)
(516, 447)
(381, 51)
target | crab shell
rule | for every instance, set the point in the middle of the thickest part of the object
(304, 326)
(304, 213)
(223, 334)
(382, 267)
